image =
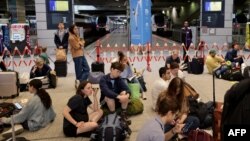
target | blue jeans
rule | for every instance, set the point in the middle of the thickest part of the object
(192, 120)
(81, 68)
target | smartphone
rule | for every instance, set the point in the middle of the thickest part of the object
(18, 106)
(186, 127)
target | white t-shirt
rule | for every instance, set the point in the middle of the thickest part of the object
(180, 75)
(158, 86)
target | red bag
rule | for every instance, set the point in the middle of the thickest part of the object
(199, 135)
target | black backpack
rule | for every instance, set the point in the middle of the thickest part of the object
(246, 72)
(112, 128)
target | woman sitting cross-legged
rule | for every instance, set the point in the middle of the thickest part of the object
(37, 113)
(77, 121)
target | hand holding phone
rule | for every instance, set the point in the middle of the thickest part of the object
(18, 106)
(186, 127)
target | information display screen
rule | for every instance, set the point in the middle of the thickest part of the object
(58, 5)
(214, 6)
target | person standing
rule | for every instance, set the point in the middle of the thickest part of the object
(61, 37)
(76, 47)
(186, 38)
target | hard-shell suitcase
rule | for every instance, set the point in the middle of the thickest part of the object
(97, 66)
(9, 84)
(61, 68)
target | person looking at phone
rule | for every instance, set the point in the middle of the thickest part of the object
(176, 91)
(153, 130)
(36, 114)
(77, 121)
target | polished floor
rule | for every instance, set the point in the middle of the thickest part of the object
(65, 89)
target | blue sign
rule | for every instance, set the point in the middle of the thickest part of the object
(140, 22)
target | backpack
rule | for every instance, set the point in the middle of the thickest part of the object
(112, 128)
(246, 72)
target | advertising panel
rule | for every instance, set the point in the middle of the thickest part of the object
(140, 21)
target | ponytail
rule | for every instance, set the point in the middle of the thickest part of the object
(45, 98)
(42, 94)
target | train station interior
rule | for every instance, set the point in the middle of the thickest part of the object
(147, 32)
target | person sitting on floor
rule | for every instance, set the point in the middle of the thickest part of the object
(77, 121)
(176, 91)
(39, 69)
(173, 58)
(232, 55)
(176, 72)
(160, 84)
(153, 130)
(214, 61)
(44, 55)
(114, 92)
(36, 114)
(127, 73)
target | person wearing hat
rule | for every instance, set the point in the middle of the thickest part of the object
(213, 61)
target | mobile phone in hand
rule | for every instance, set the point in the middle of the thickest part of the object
(18, 106)
(186, 127)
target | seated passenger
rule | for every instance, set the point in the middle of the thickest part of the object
(214, 61)
(176, 72)
(232, 56)
(127, 73)
(153, 130)
(176, 91)
(36, 114)
(114, 92)
(44, 55)
(173, 58)
(39, 69)
(160, 84)
(77, 121)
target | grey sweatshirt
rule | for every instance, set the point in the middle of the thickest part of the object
(35, 113)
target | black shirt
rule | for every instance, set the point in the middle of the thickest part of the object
(170, 60)
(78, 105)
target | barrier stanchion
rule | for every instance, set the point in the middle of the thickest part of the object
(148, 58)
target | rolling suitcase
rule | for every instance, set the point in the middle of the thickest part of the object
(97, 66)
(196, 66)
(9, 84)
(61, 68)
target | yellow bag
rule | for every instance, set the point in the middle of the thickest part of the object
(61, 55)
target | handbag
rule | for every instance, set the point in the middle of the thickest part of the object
(61, 55)
(199, 135)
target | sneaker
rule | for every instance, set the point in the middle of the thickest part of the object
(77, 83)
(18, 130)
(143, 96)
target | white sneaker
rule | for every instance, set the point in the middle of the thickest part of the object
(18, 130)
(77, 83)
(143, 96)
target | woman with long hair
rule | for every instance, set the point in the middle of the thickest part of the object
(76, 48)
(128, 73)
(77, 121)
(37, 113)
(176, 91)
